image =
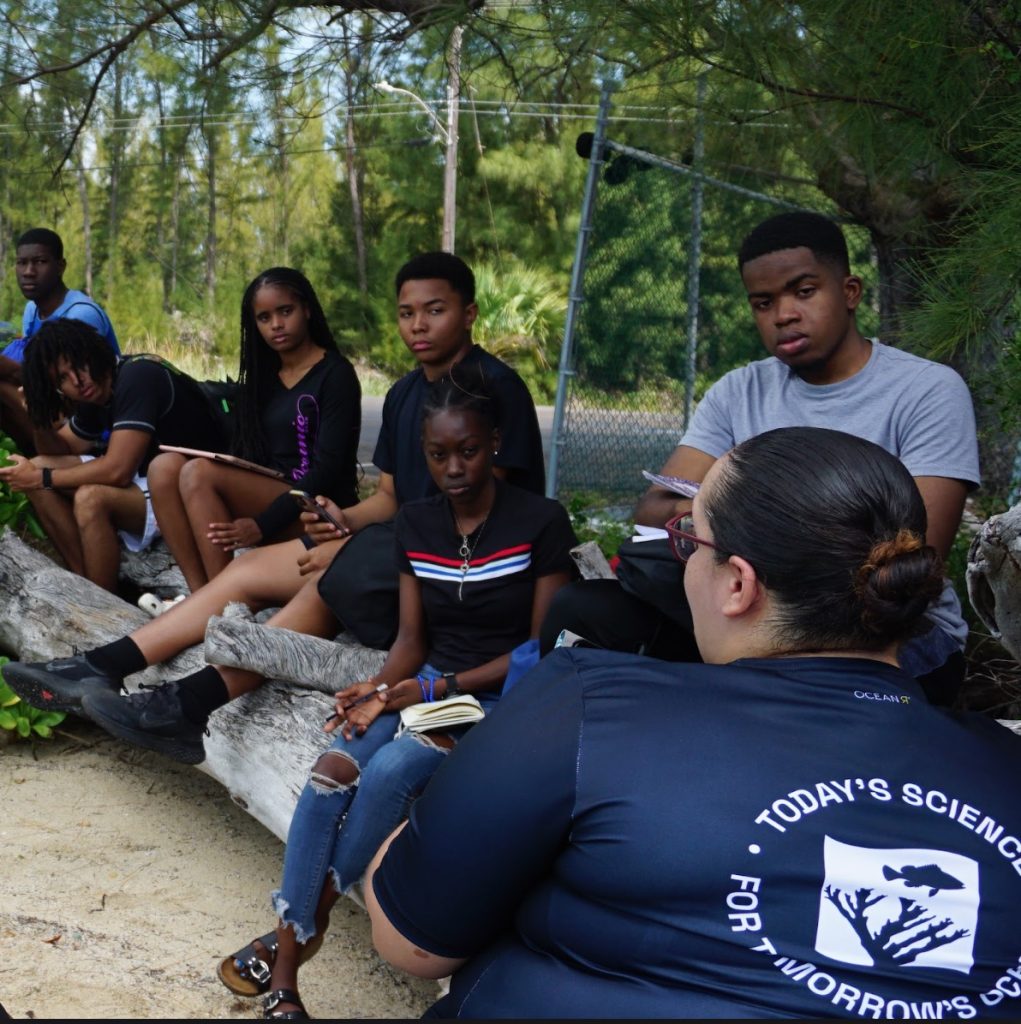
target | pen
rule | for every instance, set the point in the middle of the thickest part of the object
(358, 700)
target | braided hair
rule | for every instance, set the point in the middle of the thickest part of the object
(461, 389)
(259, 364)
(81, 345)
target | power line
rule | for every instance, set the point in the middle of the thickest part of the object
(561, 112)
(511, 108)
(250, 158)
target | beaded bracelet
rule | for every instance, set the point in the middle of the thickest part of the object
(428, 695)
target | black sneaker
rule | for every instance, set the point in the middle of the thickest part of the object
(58, 685)
(151, 718)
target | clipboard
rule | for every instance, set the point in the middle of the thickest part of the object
(675, 484)
(228, 460)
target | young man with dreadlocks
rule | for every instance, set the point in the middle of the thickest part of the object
(298, 412)
(91, 485)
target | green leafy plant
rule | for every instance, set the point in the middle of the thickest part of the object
(592, 523)
(24, 721)
(15, 508)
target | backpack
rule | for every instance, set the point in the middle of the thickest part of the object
(648, 570)
(222, 397)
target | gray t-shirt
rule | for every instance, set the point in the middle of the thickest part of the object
(916, 409)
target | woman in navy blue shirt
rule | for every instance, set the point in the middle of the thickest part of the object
(789, 830)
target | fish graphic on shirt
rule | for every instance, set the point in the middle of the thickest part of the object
(923, 876)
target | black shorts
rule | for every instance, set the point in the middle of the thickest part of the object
(361, 586)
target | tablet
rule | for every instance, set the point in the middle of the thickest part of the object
(229, 460)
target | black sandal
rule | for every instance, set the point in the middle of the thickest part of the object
(247, 972)
(283, 995)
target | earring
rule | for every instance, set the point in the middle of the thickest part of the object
(496, 451)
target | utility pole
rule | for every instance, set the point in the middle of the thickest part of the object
(450, 163)
(695, 248)
(448, 134)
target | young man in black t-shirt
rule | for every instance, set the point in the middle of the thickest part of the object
(436, 310)
(90, 486)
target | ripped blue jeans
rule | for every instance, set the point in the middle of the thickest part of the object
(337, 828)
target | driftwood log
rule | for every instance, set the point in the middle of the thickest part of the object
(994, 578)
(261, 746)
(153, 570)
(591, 561)
(237, 641)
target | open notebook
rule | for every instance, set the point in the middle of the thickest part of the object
(463, 709)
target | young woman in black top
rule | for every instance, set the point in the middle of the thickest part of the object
(298, 411)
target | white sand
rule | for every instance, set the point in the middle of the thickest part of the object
(127, 877)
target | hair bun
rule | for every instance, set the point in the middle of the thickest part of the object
(885, 551)
(897, 582)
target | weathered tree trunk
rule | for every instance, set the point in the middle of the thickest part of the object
(591, 561)
(153, 569)
(260, 747)
(994, 578)
(309, 661)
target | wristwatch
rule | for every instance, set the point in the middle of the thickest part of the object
(452, 688)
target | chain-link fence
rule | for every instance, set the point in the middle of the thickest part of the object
(637, 358)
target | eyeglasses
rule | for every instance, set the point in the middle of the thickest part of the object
(683, 541)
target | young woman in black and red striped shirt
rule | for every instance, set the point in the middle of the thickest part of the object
(479, 564)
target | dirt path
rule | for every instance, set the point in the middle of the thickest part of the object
(127, 877)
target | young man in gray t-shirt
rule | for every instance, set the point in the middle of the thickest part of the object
(821, 371)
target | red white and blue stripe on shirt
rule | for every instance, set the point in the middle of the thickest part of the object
(505, 562)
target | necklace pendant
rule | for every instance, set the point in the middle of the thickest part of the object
(465, 552)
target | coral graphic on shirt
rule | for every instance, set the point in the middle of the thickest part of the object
(898, 941)
(899, 908)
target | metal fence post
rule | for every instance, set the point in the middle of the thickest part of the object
(694, 249)
(576, 294)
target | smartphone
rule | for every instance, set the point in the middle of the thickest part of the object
(569, 639)
(309, 504)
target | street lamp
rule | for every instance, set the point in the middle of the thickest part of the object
(384, 86)
(448, 134)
